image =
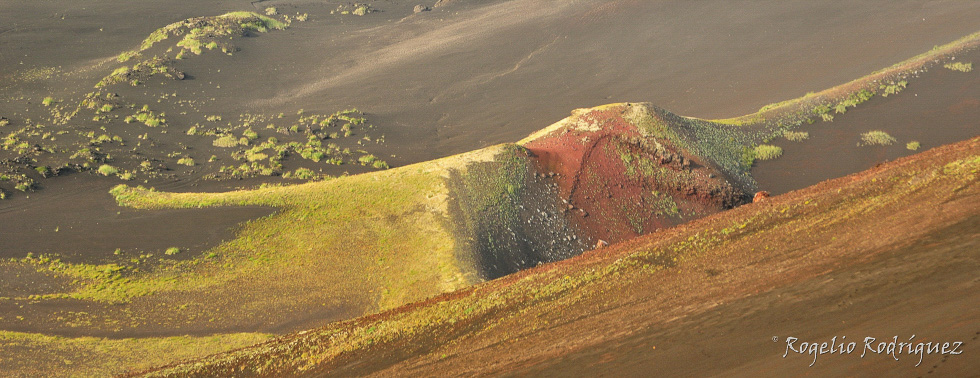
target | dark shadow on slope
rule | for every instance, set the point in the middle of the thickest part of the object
(509, 217)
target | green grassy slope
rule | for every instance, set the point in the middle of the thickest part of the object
(368, 243)
(673, 273)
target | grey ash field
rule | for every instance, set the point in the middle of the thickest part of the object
(384, 187)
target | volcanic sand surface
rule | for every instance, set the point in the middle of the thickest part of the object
(436, 92)
(468, 75)
(463, 77)
(939, 107)
(74, 218)
(838, 249)
(472, 74)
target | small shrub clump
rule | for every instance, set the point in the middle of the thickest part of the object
(892, 88)
(767, 152)
(250, 134)
(877, 138)
(226, 141)
(959, 66)
(367, 159)
(913, 145)
(45, 171)
(362, 10)
(108, 170)
(796, 136)
(304, 174)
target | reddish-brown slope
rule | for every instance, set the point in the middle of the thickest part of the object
(621, 179)
(613, 294)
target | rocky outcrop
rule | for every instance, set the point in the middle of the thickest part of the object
(601, 176)
(626, 170)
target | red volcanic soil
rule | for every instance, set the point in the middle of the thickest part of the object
(899, 294)
(620, 184)
(888, 252)
(430, 91)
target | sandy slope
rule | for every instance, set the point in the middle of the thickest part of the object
(481, 72)
(927, 289)
(890, 251)
(455, 79)
(478, 73)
